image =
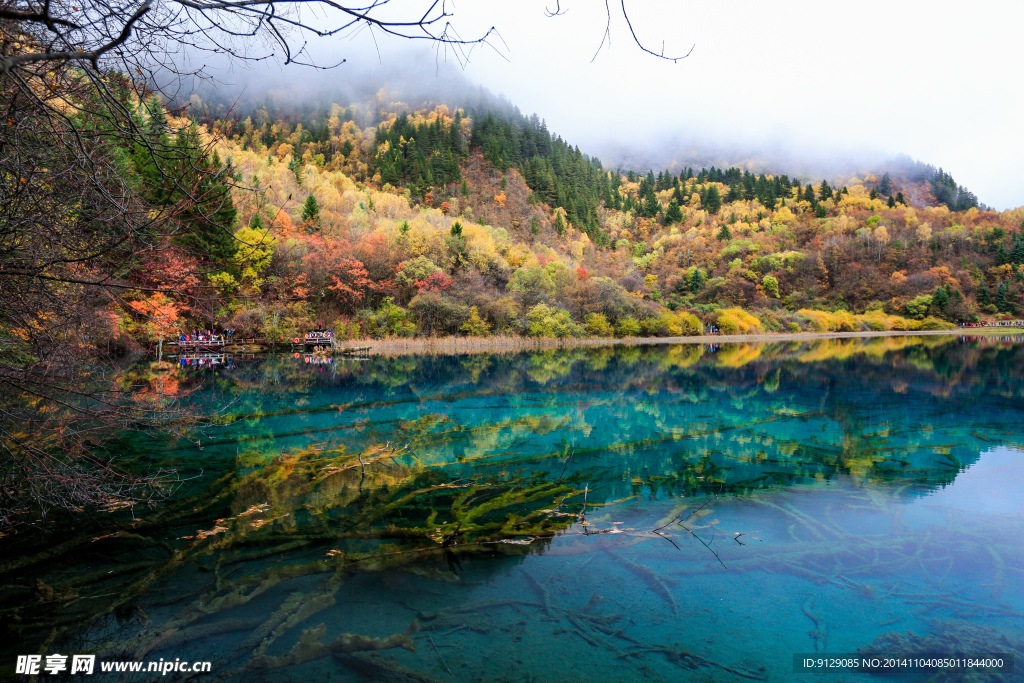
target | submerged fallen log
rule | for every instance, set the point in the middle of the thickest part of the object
(381, 669)
(688, 660)
(649, 577)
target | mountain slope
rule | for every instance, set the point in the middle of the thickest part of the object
(430, 213)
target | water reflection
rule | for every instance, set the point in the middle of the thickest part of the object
(617, 513)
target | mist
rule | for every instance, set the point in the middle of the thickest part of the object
(797, 87)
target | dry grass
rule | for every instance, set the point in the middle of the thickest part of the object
(399, 346)
(445, 346)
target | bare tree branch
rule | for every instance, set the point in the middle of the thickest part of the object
(557, 12)
(93, 56)
(645, 49)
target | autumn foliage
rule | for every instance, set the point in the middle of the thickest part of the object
(402, 235)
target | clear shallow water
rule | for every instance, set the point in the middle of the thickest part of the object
(743, 503)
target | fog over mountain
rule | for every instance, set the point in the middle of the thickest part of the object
(800, 87)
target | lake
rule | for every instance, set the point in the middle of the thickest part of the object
(655, 513)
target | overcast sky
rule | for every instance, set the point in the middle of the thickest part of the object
(939, 81)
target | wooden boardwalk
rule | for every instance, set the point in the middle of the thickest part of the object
(265, 344)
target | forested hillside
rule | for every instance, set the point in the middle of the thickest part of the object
(439, 221)
(389, 220)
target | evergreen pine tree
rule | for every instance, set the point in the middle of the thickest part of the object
(651, 205)
(559, 224)
(1002, 255)
(456, 244)
(1000, 301)
(826, 191)
(696, 280)
(311, 211)
(873, 194)
(892, 202)
(673, 214)
(885, 186)
(1017, 255)
(809, 195)
(713, 201)
(723, 234)
(900, 199)
(208, 220)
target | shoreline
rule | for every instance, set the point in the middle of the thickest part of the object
(469, 345)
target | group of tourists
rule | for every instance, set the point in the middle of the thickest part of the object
(995, 323)
(319, 333)
(207, 336)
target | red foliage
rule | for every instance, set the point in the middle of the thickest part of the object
(173, 270)
(378, 256)
(435, 282)
(582, 274)
(351, 284)
(328, 265)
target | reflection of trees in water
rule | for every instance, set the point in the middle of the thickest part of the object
(938, 365)
(284, 530)
(56, 424)
(746, 416)
(273, 549)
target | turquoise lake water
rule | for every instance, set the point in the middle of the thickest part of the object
(653, 513)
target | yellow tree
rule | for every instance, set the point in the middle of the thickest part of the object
(255, 250)
(924, 233)
(881, 239)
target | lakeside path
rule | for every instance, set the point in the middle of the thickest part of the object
(461, 345)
